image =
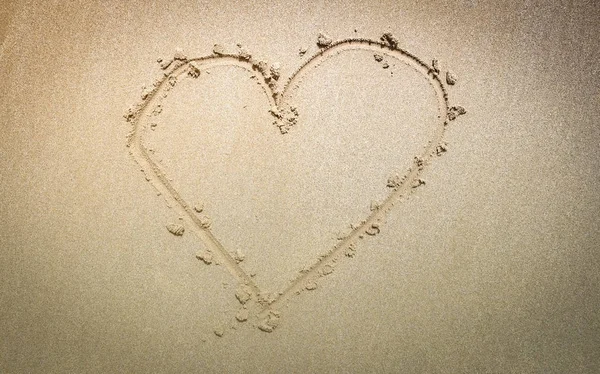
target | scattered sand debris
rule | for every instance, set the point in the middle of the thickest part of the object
(270, 322)
(385, 65)
(243, 53)
(435, 66)
(205, 222)
(302, 51)
(311, 286)
(243, 293)
(374, 205)
(451, 78)
(266, 298)
(157, 109)
(459, 109)
(395, 181)
(242, 315)
(146, 91)
(176, 229)
(419, 163)
(456, 111)
(327, 269)
(323, 40)
(263, 68)
(344, 233)
(179, 55)
(417, 182)
(373, 229)
(153, 126)
(389, 39)
(275, 71)
(130, 114)
(239, 256)
(194, 70)
(276, 113)
(350, 251)
(164, 64)
(285, 119)
(441, 148)
(205, 256)
(378, 58)
(219, 331)
(218, 50)
(172, 80)
(199, 206)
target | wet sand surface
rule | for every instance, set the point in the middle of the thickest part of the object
(323, 187)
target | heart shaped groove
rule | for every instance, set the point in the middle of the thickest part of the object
(284, 119)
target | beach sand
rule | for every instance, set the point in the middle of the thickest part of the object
(299, 187)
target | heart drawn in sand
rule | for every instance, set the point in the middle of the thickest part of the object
(285, 117)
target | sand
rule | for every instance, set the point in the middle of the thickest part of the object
(337, 187)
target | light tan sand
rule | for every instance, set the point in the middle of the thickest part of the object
(313, 195)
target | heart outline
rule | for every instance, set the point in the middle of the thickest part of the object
(278, 100)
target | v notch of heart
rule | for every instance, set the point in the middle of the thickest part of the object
(285, 117)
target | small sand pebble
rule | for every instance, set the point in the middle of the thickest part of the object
(390, 39)
(179, 55)
(194, 70)
(323, 40)
(419, 163)
(244, 53)
(310, 286)
(374, 205)
(242, 315)
(440, 149)
(218, 50)
(243, 294)
(373, 229)
(350, 251)
(176, 229)
(327, 269)
(199, 207)
(130, 114)
(205, 222)
(385, 65)
(417, 183)
(239, 256)
(264, 327)
(270, 323)
(275, 71)
(394, 181)
(205, 256)
(146, 92)
(435, 66)
(164, 64)
(378, 58)
(451, 78)
(302, 51)
(219, 331)
(456, 111)
(459, 109)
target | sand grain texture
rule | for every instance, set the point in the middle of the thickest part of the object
(292, 258)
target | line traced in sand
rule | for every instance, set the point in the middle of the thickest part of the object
(279, 102)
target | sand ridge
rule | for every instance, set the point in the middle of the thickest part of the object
(267, 307)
